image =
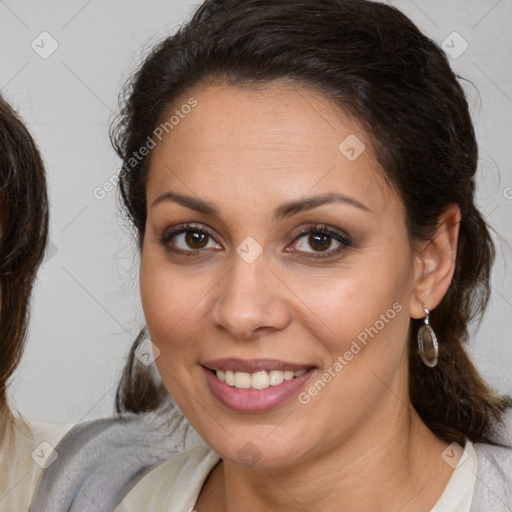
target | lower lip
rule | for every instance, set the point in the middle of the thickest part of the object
(255, 400)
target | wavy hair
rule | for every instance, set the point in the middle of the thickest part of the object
(369, 59)
(23, 238)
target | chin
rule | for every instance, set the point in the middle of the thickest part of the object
(258, 450)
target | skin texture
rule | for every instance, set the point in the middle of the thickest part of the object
(358, 444)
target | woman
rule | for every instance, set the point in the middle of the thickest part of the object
(301, 179)
(26, 448)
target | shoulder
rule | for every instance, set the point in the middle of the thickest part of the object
(494, 460)
(178, 481)
(493, 488)
(28, 448)
(105, 458)
(48, 435)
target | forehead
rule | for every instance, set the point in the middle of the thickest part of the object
(279, 138)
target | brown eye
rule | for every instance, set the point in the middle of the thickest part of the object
(196, 239)
(317, 241)
(320, 241)
(189, 239)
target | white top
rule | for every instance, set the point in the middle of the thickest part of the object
(27, 449)
(458, 493)
(176, 484)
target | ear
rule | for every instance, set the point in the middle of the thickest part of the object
(434, 263)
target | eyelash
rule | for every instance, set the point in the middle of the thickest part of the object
(342, 239)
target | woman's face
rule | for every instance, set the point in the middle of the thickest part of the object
(276, 258)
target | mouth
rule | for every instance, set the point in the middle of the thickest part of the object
(258, 380)
(256, 385)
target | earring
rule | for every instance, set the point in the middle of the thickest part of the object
(426, 336)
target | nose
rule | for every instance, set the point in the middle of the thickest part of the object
(251, 301)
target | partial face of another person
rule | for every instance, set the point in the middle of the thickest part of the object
(278, 261)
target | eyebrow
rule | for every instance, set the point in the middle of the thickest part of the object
(308, 203)
(284, 210)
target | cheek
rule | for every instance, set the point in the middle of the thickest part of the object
(167, 297)
(344, 305)
(363, 330)
(175, 302)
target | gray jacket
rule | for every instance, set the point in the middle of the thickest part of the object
(100, 461)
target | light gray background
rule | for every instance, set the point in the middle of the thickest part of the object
(85, 308)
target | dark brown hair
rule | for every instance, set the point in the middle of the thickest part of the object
(24, 232)
(375, 64)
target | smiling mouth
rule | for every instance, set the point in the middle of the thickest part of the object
(257, 385)
(258, 380)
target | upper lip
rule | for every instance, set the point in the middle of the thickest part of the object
(253, 365)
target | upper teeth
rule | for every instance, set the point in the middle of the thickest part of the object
(258, 380)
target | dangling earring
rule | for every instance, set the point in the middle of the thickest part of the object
(426, 336)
